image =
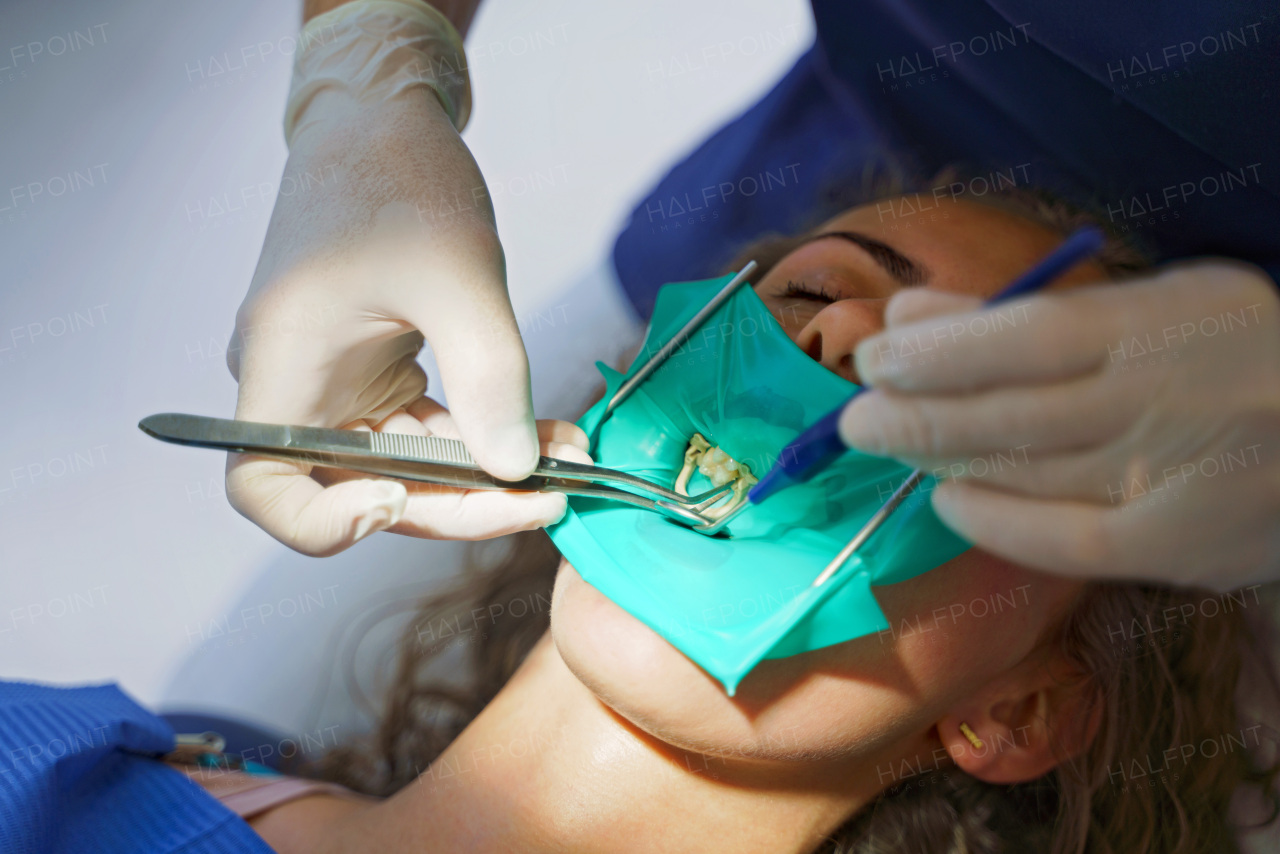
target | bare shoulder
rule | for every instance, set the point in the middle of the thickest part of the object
(315, 824)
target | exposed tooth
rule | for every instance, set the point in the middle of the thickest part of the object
(719, 468)
(698, 446)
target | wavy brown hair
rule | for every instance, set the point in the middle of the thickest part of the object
(1174, 746)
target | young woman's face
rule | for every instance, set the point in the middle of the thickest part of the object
(955, 630)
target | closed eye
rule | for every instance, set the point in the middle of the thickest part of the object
(800, 290)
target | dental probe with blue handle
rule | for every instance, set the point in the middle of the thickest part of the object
(820, 444)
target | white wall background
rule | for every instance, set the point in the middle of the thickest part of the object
(119, 556)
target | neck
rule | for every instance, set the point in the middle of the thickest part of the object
(547, 767)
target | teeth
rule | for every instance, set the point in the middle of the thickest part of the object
(719, 468)
(697, 447)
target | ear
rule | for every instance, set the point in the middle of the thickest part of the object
(1036, 717)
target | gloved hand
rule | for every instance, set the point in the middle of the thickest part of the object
(382, 233)
(1127, 431)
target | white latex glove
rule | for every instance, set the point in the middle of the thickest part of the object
(1127, 431)
(382, 233)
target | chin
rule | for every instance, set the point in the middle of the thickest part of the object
(631, 669)
(654, 687)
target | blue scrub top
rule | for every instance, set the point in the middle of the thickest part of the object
(1164, 117)
(77, 775)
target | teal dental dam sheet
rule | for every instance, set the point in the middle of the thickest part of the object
(728, 602)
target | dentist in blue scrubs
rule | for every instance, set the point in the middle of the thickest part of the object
(1166, 113)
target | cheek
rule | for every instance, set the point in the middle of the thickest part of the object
(959, 626)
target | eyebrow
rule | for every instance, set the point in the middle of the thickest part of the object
(899, 266)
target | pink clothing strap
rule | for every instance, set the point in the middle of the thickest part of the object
(248, 795)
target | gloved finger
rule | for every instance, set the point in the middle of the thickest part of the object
(434, 417)
(565, 433)
(940, 428)
(401, 421)
(1064, 537)
(568, 451)
(1178, 523)
(1082, 476)
(1034, 340)
(911, 305)
(288, 504)
(1137, 541)
(394, 390)
(434, 512)
(438, 422)
(477, 514)
(492, 407)
(485, 371)
(295, 379)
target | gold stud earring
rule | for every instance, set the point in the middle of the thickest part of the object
(971, 735)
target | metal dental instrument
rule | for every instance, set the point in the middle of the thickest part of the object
(873, 524)
(427, 459)
(664, 352)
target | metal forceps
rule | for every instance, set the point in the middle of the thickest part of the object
(426, 459)
(433, 459)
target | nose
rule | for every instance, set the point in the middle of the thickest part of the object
(832, 335)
